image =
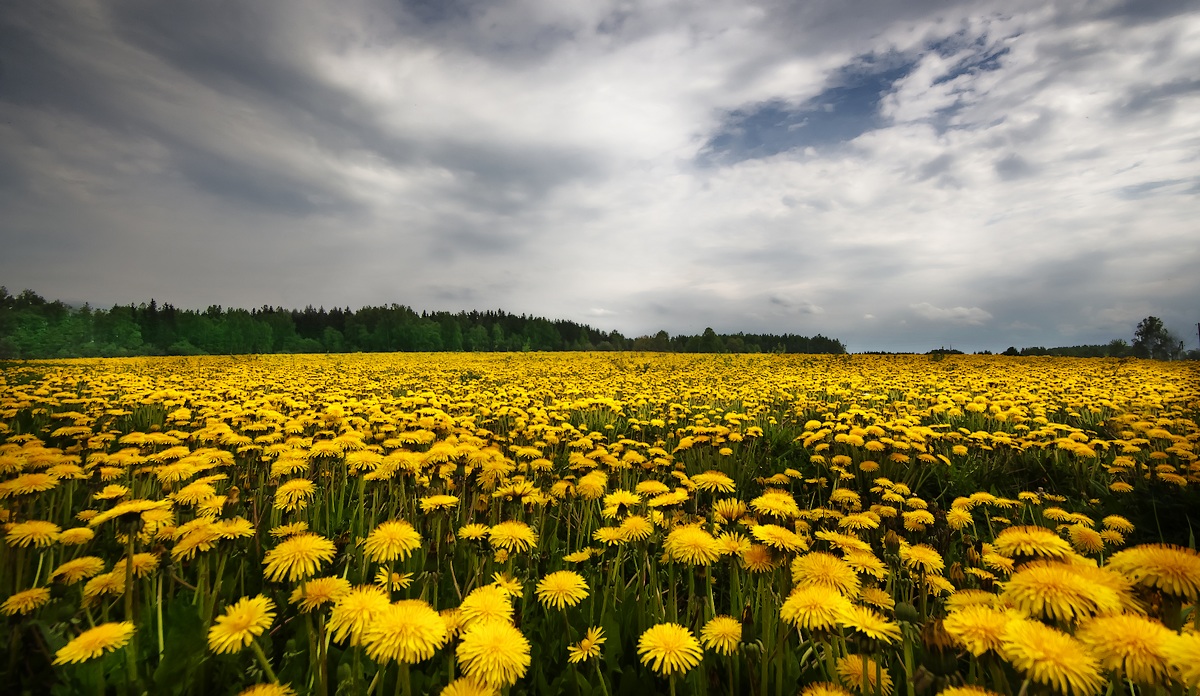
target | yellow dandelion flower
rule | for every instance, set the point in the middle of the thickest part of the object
(297, 557)
(1131, 646)
(692, 545)
(465, 686)
(486, 603)
(25, 601)
(564, 588)
(864, 675)
(473, 532)
(407, 631)
(824, 688)
(1058, 591)
(354, 611)
(268, 690)
(76, 536)
(34, 532)
(758, 559)
(1049, 656)
(512, 536)
(587, 648)
(780, 538)
(722, 634)
(635, 528)
(78, 569)
(923, 558)
(825, 570)
(669, 648)
(240, 624)
(1032, 542)
(778, 503)
(869, 623)
(317, 592)
(816, 607)
(392, 540)
(1172, 569)
(438, 502)
(494, 653)
(1183, 654)
(1085, 539)
(510, 585)
(978, 627)
(286, 530)
(94, 642)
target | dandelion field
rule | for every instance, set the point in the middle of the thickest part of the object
(600, 524)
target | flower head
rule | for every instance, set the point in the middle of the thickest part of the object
(317, 592)
(669, 648)
(493, 652)
(241, 623)
(299, 556)
(25, 601)
(1172, 569)
(95, 642)
(392, 540)
(864, 675)
(1049, 656)
(815, 607)
(407, 631)
(33, 532)
(692, 545)
(722, 634)
(826, 570)
(486, 603)
(354, 611)
(78, 569)
(562, 588)
(1131, 646)
(512, 536)
(587, 648)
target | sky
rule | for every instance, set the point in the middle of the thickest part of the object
(899, 175)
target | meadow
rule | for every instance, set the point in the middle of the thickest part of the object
(592, 523)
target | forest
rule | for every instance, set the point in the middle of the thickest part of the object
(33, 327)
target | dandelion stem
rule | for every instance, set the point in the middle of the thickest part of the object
(262, 658)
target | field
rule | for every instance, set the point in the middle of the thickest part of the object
(600, 524)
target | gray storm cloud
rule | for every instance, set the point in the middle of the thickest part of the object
(982, 174)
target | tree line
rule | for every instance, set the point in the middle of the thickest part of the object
(1151, 339)
(33, 327)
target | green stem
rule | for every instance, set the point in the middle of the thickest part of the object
(262, 658)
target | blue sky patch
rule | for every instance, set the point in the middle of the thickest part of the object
(847, 108)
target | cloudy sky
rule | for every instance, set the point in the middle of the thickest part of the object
(900, 175)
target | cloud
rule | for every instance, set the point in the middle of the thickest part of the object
(957, 315)
(761, 166)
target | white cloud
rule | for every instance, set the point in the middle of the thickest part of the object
(541, 157)
(958, 315)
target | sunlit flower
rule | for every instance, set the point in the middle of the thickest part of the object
(240, 624)
(392, 540)
(587, 648)
(317, 592)
(816, 607)
(864, 675)
(512, 536)
(722, 634)
(669, 648)
(33, 533)
(297, 557)
(94, 642)
(564, 588)
(408, 631)
(25, 601)
(493, 652)
(78, 569)
(1049, 656)
(1131, 646)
